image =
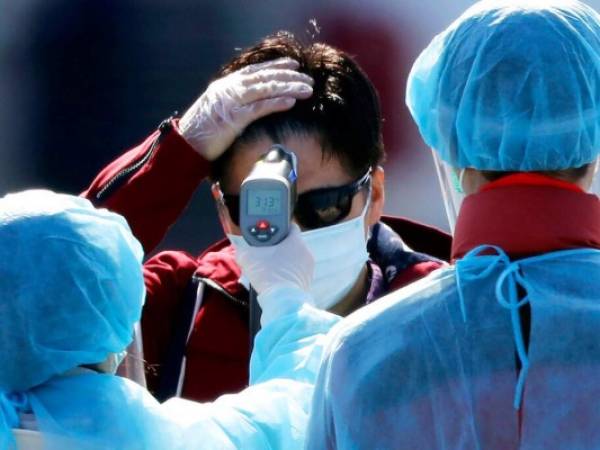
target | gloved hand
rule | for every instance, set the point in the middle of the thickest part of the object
(231, 103)
(281, 274)
(287, 264)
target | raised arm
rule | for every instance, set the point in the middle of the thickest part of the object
(152, 183)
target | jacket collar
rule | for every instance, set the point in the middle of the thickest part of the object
(528, 214)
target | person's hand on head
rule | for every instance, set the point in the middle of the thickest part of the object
(231, 103)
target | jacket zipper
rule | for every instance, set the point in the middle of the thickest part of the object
(221, 290)
(123, 175)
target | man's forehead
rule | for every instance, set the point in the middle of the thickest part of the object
(315, 168)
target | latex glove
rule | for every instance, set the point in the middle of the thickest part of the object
(231, 103)
(280, 274)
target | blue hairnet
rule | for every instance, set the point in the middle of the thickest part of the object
(71, 286)
(512, 86)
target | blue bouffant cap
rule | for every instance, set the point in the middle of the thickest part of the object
(71, 286)
(512, 86)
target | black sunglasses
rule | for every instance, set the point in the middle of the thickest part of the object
(314, 209)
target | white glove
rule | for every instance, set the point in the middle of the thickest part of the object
(231, 103)
(281, 274)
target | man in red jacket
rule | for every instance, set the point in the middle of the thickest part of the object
(314, 100)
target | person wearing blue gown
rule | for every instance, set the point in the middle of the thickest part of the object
(71, 292)
(500, 350)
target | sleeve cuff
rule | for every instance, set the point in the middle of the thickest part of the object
(279, 301)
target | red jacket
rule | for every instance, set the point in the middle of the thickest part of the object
(151, 185)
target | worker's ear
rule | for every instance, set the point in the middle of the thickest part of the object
(471, 180)
(588, 179)
(377, 196)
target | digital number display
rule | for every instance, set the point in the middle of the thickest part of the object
(263, 202)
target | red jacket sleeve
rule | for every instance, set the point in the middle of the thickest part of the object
(151, 184)
(166, 277)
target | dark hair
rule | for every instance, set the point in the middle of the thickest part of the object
(343, 112)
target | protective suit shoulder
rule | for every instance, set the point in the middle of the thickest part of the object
(368, 322)
(391, 329)
(101, 411)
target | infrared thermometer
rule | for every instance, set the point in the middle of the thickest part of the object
(268, 197)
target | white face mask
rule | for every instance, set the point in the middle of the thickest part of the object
(340, 253)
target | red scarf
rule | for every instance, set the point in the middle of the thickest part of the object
(528, 214)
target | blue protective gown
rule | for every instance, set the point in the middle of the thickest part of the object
(449, 363)
(274, 412)
(88, 411)
(71, 290)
